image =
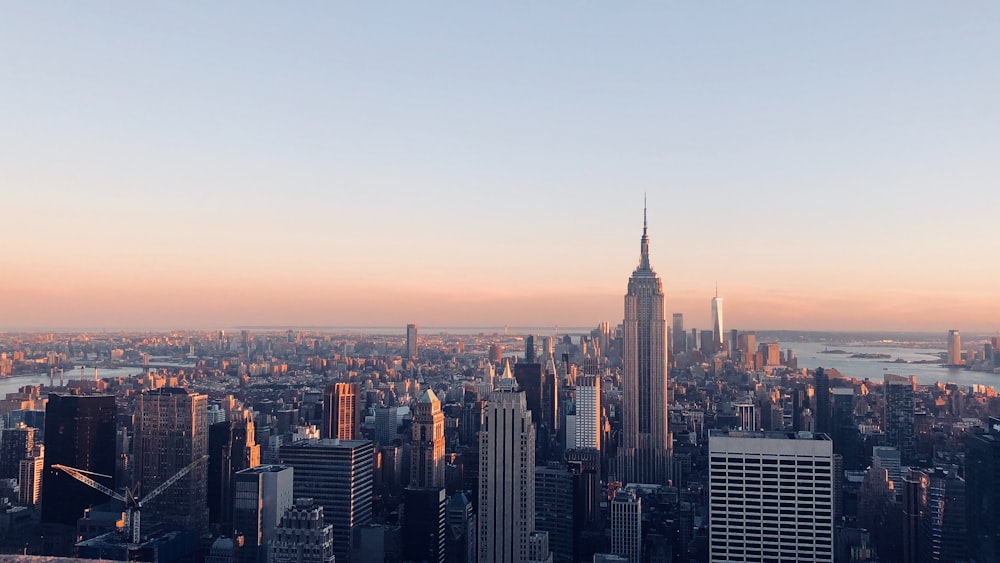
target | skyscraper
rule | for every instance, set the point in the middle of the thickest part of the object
(261, 496)
(411, 342)
(679, 343)
(821, 387)
(587, 427)
(645, 452)
(341, 411)
(424, 524)
(339, 475)
(78, 432)
(982, 481)
(771, 497)
(899, 429)
(554, 508)
(427, 449)
(626, 525)
(15, 444)
(506, 477)
(954, 348)
(171, 432)
(460, 540)
(717, 329)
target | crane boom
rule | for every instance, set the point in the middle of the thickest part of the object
(79, 476)
(173, 479)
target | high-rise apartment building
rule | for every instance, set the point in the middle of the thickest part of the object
(645, 453)
(899, 402)
(411, 342)
(506, 477)
(261, 495)
(770, 497)
(171, 432)
(338, 475)
(679, 342)
(588, 429)
(427, 448)
(341, 411)
(626, 525)
(79, 433)
(29, 477)
(15, 444)
(303, 535)
(954, 348)
(717, 329)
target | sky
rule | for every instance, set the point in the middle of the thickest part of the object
(187, 165)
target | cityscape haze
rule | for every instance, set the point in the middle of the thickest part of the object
(250, 165)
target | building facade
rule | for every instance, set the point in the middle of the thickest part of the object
(341, 411)
(645, 453)
(427, 447)
(770, 497)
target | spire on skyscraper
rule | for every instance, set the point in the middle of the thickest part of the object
(644, 250)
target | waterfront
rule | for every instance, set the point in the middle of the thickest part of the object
(12, 384)
(810, 355)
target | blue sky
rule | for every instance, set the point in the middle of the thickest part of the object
(812, 158)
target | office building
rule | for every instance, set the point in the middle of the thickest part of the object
(303, 536)
(341, 411)
(339, 476)
(427, 447)
(982, 486)
(261, 495)
(386, 425)
(626, 525)
(411, 342)
(171, 432)
(954, 348)
(506, 477)
(587, 429)
(717, 329)
(899, 402)
(644, 456)
(679, 342)
(78, 432)
(888, 458)
(770, 496)
(821, 394)
(232, 447)
(424, 523)
(943, 530)
(845, 433)
(460, 537)
(554, 508)
(541, 391)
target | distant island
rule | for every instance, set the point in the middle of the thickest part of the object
(872, 356)
(828, 351)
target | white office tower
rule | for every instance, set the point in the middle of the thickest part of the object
(626, 525)
(506, 476)
(954, 348)
(771, 496)
(587, 429)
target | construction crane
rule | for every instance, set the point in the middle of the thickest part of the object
(133, 504)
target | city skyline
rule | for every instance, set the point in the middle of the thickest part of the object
(378, 166)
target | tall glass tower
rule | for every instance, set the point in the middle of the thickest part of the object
(645, 455)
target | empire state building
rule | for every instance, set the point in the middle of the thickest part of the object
(645, 453)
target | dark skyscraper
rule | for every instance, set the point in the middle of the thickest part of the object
(982, 484)
(529, 349)
(79, 433)
(15, 445)
(424, 521)
(821, 385)
(645, 452)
